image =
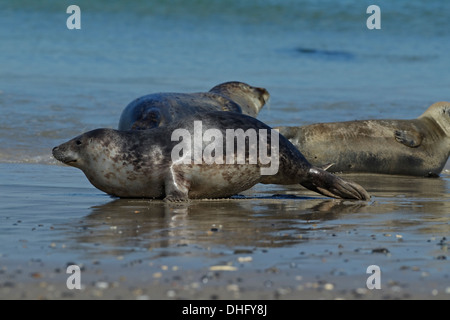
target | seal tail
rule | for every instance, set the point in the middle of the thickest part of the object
(330, 185)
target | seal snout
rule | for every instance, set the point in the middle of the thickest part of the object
(264, 94)
(60, 155)
(56, 153)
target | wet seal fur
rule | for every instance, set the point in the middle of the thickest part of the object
(158, 109)
(138, 164)
(417, 147)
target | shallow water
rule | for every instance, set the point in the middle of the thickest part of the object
(320, 64)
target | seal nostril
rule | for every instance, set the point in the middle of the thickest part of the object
(54, 149)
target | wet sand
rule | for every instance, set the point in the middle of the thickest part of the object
(271, 242)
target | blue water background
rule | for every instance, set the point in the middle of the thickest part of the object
(318, 60)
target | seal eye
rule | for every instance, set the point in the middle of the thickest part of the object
(78, 142)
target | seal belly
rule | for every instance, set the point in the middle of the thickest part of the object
(221, 180)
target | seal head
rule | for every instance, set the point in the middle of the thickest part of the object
(439, 112)
(250, 99)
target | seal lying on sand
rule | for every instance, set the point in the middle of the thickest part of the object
(418, 147)
(158, 109)
(147, 163)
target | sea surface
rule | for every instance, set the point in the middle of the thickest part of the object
(318, 60)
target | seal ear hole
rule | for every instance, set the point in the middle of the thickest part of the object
(78, 142)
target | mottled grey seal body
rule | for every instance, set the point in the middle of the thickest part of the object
(138, 163)
(418, 147)
(158, 109)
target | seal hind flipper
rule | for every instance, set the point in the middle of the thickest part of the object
(330, 185)
(410, 139)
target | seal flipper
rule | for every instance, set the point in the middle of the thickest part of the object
(330, 185)
(176, 186)
(410, 139)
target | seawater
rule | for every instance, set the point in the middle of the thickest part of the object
(317, 59)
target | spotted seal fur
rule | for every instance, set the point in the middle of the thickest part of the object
(140, 163)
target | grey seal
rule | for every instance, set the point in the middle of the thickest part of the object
(158, 109)
(141, 163)
(417, 147)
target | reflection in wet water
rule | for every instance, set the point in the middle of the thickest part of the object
(270, 236)
(262, 222)
(261, 219)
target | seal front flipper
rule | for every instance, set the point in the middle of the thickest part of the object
(176, 186)
(409, 138)
(330, 185)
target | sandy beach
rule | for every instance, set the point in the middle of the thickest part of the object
(271, 242)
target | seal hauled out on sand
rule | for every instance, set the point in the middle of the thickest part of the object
(139, 163)
(418, 147)
(158, 109)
